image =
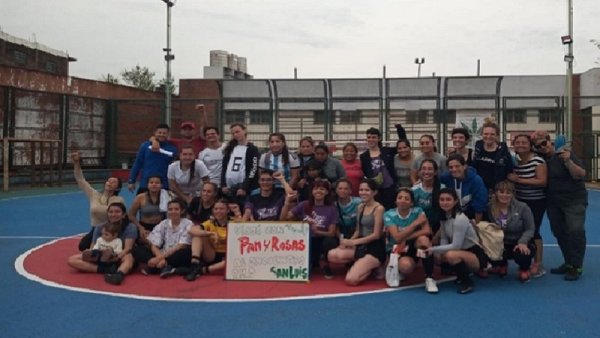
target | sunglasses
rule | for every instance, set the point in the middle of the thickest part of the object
(541, 144)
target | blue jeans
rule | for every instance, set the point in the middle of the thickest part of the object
(567, 223)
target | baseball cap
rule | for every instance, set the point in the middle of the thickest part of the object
(188, 124)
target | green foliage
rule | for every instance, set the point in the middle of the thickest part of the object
(110, 78)
(139, 77)
(473, 129)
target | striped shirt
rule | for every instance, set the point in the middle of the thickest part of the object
(527, 170)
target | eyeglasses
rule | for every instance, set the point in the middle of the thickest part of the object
(541, 144)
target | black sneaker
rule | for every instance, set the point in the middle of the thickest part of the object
(327, 273)
(150, 271)
(114, 278)
(466, 286)
(195, 272)
(167, 271)
(560, 270)
(572, 274)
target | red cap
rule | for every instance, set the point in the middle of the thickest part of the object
(188, 124)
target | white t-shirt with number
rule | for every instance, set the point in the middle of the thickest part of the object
(236, 168)
(213, 159)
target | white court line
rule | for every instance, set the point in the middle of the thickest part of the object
(41, 195)
(29, 237)
(21, 270)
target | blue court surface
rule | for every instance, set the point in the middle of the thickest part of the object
(545, 307)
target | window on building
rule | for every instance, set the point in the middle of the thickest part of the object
(548, 116)
(515, 116)
(416, 116)
(20, 57)
(349, 116)
(445, 115)
(319, 117)
(232, 117)
(51, 66)
(260, 117)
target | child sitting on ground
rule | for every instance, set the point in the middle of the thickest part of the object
(107, 247)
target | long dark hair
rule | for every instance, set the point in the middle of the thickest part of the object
(233, 142)
(285, 153)
(310, 204)
(456, 209)
(435, 194)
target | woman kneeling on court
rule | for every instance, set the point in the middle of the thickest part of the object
(114, 272)
(169, 243)
(209, 242)
(409, 229)
(516, 220)
(366, 247)
(459, 244)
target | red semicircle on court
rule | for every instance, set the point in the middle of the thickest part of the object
(48, 264)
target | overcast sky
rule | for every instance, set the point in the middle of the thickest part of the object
(322, 38)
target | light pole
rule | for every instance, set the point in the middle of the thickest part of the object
(568, 40)
(419, 62)
(168, 57)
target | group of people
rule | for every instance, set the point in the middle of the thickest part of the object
(382, 208)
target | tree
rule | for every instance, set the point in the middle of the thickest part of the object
(109, 78)
(163, 83)
(139, 77)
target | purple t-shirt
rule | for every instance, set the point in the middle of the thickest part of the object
(322, 215)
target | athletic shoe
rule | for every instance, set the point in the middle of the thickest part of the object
(327, 273)
(524, 276)
(431, 285)
(560, 270)
(573, 273)
(114, 278)
(537, 270)
(500, 270)
(465, 287)
(167, 271)
(195, 272)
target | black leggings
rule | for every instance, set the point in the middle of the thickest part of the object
(538, 208)
(181, 257)
(321, 245)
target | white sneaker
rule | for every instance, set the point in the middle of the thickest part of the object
(431, 285)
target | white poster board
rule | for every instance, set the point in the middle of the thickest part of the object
(269, 251)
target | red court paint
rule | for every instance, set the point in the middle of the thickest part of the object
(47, 264)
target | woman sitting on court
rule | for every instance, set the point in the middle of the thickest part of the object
(516, 220)
(209, 242)
(99, 201)
(169, 243)
(151, 206)
(459, 245)
(347, 206)
(200, 209)
(409, 234)
(318, 211)
(187, 174)
(366, 247)
(115, 271)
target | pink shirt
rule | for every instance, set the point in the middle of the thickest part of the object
(354, 174)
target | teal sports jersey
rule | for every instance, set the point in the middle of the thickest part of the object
(392, 218)
(423, 200)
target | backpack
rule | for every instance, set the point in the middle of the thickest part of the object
(491, 238)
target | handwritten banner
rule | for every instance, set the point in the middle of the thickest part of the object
(273, 251)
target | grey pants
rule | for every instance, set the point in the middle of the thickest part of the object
(568, 226)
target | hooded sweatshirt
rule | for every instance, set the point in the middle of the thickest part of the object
(472, 193)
